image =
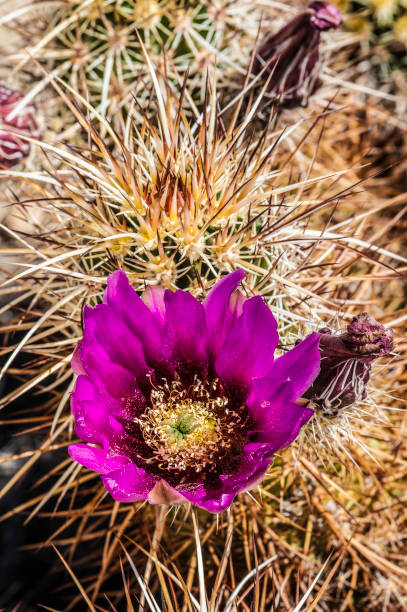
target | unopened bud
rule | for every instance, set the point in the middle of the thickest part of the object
(346, 363)
(289, 59)
(14, 126)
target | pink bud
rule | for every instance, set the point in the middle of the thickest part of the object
(13, 126)
(324, 16)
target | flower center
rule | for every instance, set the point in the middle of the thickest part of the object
(189, 421)
(189, 427)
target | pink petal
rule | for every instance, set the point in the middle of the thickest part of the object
(104, 326)
(129, 484)
(300, 365)
(248, 351)
(221, 310)
(277, 420)
(185, 333)
(95, 458)
(153, 298)
(138, 317)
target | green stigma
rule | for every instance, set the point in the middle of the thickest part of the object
(184, 426)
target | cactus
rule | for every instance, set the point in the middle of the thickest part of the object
(383, 24)
(181, 199)
(97, 45)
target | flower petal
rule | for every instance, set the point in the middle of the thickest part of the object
(257, 476)
(221, 312)
(95, 458)
(185, 333)
(138, 317)
(266, 402)
(94, 420)
(153, 298)
(106, 327)
(129, 484)
(76, 362)
(256, 457)
(212, 501)
(249, 349)
(107, 376)
(300, 365)
(277, 420)
(295, 418)
(218, 504)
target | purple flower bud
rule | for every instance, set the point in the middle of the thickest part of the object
(346, 362)
(324, 16)
(13, 126)
(290, 58)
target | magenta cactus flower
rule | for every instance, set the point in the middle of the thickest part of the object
(13, 126)
(290, 60)
(179, 400)
(346, 361)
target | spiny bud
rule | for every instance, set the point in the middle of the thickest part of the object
(13, 126)
(346, 362)
(290, 59)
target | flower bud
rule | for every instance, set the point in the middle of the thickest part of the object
(289, 59)
(346, 362)
(13, 126)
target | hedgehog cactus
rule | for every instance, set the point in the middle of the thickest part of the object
(96, 45)
(184, 203)
(100, 48)
(384, 25)
(185, 198)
